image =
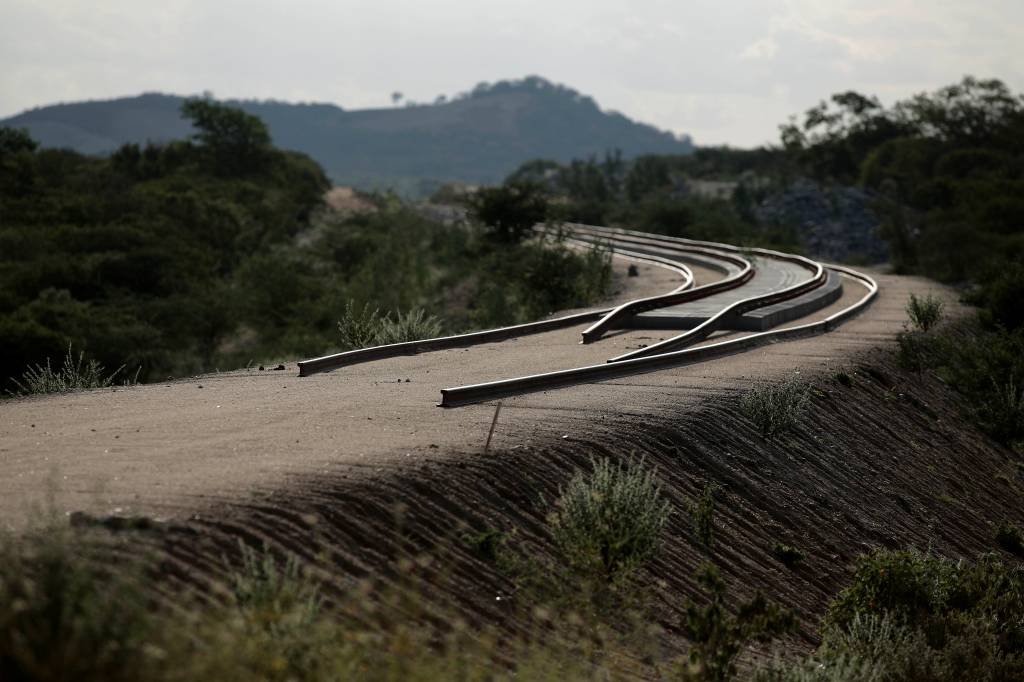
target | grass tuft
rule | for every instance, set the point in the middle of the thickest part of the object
(924, 312)
(76, 374)
(366, 327)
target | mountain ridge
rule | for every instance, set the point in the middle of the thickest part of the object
(477, 137)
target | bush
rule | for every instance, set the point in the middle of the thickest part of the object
(719, 637)
(925, 312)
(63, 616)
(1009, 537)
(789, 556)
(74, 375)
(608, 523)
(912, 616)
(775, 407)
(363, 328)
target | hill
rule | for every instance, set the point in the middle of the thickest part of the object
(476, 137)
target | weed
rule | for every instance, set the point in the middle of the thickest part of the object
(410, 326)
(703, 512)
(608, 523)
(719, 637)
(842, 378)
(76, 374)
(924, 312)
(1010, 538)
(362, 328)
(789, 556)
(1001, 410)
(486, 544)
(775, 407)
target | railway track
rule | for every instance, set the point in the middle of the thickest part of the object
(758, 289)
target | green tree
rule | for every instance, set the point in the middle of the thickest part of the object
(237, 142)
(510, 211)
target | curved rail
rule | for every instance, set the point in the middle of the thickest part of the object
(465, 395)
(716, 321)
(631, 308)
(352, 357)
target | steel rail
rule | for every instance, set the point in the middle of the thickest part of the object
(719, 319)
(352, 357)
(475, 393)
(631, 308)
(709, 326)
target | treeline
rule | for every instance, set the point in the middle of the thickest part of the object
(659, 193)
(218, 251)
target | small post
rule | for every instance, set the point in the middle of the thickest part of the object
(494, 421)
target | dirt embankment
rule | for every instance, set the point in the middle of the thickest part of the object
(884, 461)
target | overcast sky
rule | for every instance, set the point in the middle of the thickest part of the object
(723, 71)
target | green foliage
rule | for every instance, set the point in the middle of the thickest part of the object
(486, 544)
(924, 312)
(718, 637)
(510, 211)
(361, 328)
(985, 366)
(74, 375)
(915, 617)
(703, 515)
(1010, 537)
(787, 554)
(775, 406)
(65, 616)
(238, 142)
(607, 524)
(842, 378)
(1001, 297)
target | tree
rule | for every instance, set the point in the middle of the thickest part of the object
(14, 140)
(509, 211)
(236, 141)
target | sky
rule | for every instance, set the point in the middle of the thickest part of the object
(722, 71)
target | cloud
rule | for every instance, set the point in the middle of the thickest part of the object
(765, 48)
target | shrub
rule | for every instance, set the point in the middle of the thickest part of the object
(608, 523)
(63, 616)
(1010, 538)
(789, 556)
(775, 407)
(914, 350)
(74, 375)
(411, 326)
(842, 378)
(924, 312)
(363, 328)
(912, 616)
(719, 637)
(1000, 411)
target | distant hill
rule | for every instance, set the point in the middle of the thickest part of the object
(476, 137)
